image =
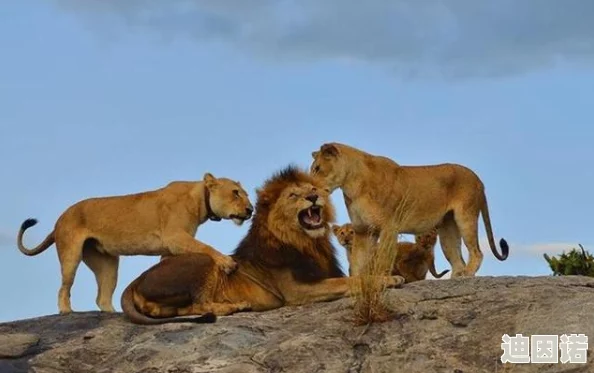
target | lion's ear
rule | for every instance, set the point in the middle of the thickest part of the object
(209, 179)
(263, 197)
(329, 149)
(314, 154)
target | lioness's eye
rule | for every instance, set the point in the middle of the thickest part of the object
(292, 195)
(236, 192)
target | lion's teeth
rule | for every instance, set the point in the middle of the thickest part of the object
(309, 212)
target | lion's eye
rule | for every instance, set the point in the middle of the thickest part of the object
(317, 169)
(292, 195)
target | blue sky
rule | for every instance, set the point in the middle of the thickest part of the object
(112, 97)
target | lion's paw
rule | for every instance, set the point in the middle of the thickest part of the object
(395, 281)
(244, 306)
(226, 264)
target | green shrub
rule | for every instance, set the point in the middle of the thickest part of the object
(572, 263)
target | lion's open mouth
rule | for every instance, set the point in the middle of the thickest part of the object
(311, 218)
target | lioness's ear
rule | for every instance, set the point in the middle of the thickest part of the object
(329, 149)
(314, 154)
(209, 179)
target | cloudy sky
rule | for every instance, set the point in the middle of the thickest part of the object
(113, 97)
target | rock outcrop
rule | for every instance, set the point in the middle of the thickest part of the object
(452, 326)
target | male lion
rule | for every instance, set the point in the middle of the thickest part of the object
(285, 259)
(412, 262)
(375, 188)
(158, 222)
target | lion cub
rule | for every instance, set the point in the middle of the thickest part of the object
(158, 222)
(412, 262)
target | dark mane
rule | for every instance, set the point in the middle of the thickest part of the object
(262, 249)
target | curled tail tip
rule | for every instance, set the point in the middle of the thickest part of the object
(28, 223)
(504, 248)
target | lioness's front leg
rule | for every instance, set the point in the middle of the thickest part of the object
(332, 289)
(364, 244)
(182, 242)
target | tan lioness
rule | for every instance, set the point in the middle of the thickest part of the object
(285, 259)
(158, 222)
(375, 188)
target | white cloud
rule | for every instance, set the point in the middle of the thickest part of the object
(457, 38)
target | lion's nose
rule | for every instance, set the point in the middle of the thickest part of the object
(312, 198)
(249, 210)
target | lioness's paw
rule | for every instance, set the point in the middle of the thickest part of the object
(395, 281)
(226, 264)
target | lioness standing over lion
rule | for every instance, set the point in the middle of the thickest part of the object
(375, 188)
(158, 222)
(286, 258)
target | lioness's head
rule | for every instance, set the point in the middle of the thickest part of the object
(345, 234)
(296, 204)
(227, 199)
(329, 166)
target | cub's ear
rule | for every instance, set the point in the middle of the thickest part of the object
(314, 154)
(335, 228)
(209, 179)
(329, 150)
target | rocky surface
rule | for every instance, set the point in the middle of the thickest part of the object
(452, 326)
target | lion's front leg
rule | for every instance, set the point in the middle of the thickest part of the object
(332, 289)
(182, 242)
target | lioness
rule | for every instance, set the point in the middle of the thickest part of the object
(375, 187)
(286, 258)
(413, 260)
(158, 222)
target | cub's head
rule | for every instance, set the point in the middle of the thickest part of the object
(345, 234)
(227, 199)
(426, 240)
(329, 165)
(295, 205)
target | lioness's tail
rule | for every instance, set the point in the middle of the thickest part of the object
(434, 271)
(129, 309)
(49, 240)
(502, 243)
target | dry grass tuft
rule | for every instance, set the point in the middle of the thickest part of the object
(370, 301)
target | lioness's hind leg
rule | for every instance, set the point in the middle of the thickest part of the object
(219, 309)
(468, 224)
(105, 268)
(451, 244)
(70, 254)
